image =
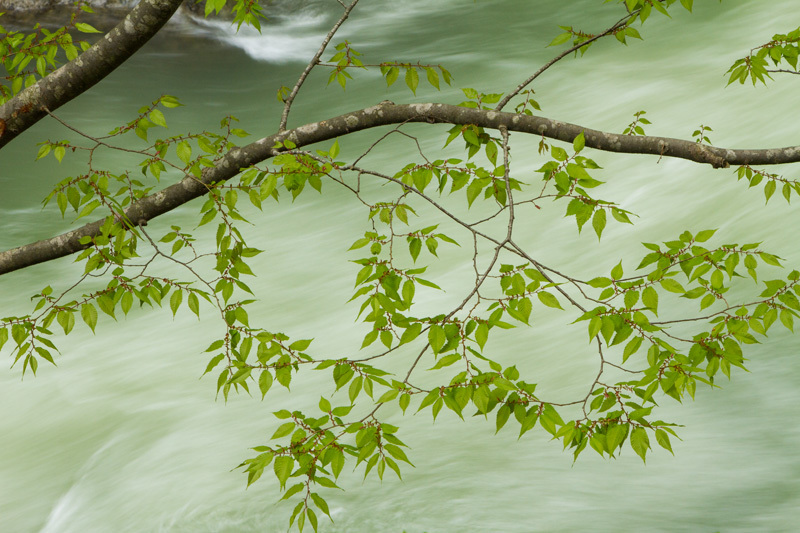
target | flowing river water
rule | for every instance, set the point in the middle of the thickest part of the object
(123, 436)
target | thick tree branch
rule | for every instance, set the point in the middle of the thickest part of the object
(77, 76)
(381, 115)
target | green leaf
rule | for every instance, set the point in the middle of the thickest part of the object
(502, 417)
(89, 315)
(631, 348)
(559, 153)
(650, 299)
(482, 334)
(157, 118)
(66, 320)
(560, 39)
(614, 436)
(170, 101)
(548, 299)
(599, 222)
(471, 137)
(433, 77)
(412, 332)
(321, 504)
(264, 382)
(595, 324)
(787, 320)
(397, 453)
(704, 235)
(436, 338)
(579, 142)
(769, 259)
(325, 482)
(283, 430)
(412, 79)
(293, 490)
(672, 286)
(446, 361)
(300, 345)
(427, 283)
(175, 301)
(616, 272)
(283, 469)
(640, 442)
(631, 297)
(391, 75)
(194, 304)
(184, 151)
(86, 28)
(662, 438)
(334, 151)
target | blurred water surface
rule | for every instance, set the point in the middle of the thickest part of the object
(122, 436)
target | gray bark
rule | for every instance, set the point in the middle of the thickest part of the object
(40, 6)
(77, 76)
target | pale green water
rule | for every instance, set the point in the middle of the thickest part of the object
(123, 437)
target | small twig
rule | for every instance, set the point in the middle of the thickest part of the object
(785, 71)
(507, 181)
(621, 22)
(312, 64)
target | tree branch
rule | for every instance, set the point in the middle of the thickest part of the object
(314, 61)
(381, 115)
(620, 23)
(80, 74)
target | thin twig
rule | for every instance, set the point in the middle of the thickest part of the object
(312, 64)
(621, 22)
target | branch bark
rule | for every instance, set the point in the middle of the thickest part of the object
(80, 74)
(381, 115)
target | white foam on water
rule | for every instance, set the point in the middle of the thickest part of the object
(75, 499)
(297, 36)
(282, 40)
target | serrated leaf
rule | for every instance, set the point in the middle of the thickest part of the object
(631, 348)
(617, 271)
(704, 235)
(184, 151)
(86, 28)
(412, 79)
(175, 301)
(264, 382)
(614, 436)
(599, 222)
(650, 299)
(560, 39)
(640, 442)
(579, 142)
(662, 438)
(391, 76)
(436, 338)
(283, 469)
(446, 361)
(549, 300)
(89, 315)
(672, 286)
(283, 430)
